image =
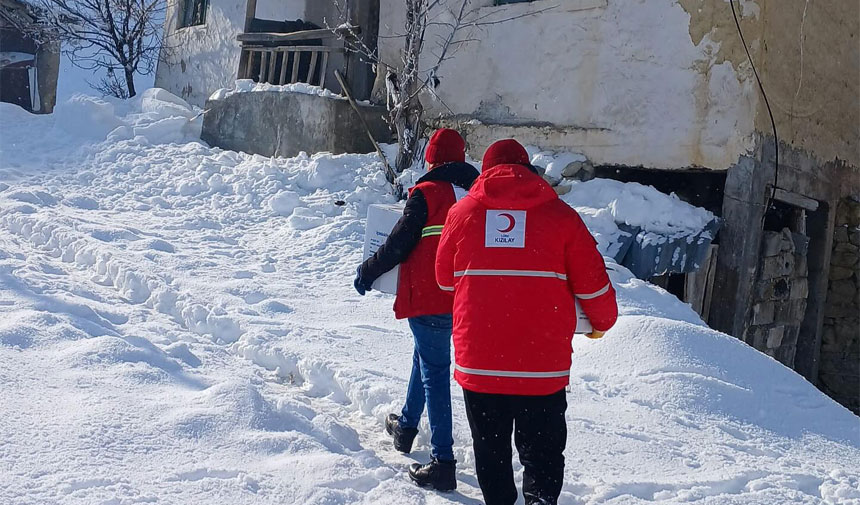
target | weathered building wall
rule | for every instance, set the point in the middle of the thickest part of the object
(622, 82)
(839, 374)
(197, 60)
(810, 64)
(808, 56)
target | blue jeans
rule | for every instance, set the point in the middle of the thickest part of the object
(430, 382)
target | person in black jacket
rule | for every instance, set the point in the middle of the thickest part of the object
(412, 245)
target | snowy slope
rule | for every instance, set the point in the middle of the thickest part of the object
(178, 325)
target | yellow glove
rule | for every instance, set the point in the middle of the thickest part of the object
(595, 334)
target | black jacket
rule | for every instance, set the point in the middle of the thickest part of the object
(407, 232)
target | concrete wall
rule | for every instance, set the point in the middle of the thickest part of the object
(623, 82)
(283, 124)
(197, 60)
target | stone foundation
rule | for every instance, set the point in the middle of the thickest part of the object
(839, 373)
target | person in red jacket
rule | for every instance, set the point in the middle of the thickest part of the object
(516, 258)
(412, 244)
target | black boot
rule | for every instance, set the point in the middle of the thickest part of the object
(440, 475)
(403, 437)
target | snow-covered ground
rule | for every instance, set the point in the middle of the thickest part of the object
(178, 326)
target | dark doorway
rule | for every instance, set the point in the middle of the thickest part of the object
(820, 231)
(15, 86)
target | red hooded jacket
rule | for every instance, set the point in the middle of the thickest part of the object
(515, 257)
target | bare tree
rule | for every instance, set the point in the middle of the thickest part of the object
(450, 24)
(122, 37)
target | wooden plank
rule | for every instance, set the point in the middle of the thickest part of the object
(273, 60)
(699, 285)
(322, 33)
(321, 49)
(284, 56)
(296, 57)
(313, 66)
(264, 62)
(796, 199)
(323, 69)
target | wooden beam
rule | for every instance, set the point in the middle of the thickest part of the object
(798, 200)
(308, 49)
(292, 36)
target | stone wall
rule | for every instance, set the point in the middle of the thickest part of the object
(779, 300)
(839, 375)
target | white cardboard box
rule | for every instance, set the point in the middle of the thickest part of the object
(381, 219)
(583, 325)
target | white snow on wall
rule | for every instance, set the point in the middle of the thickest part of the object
(626, 72)
(201, 59)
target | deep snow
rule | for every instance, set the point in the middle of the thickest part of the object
(178, 325)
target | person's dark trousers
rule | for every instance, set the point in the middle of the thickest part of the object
(430, 382)
(540, 434)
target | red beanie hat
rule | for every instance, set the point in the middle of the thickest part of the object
(505, 152)
(445, 146)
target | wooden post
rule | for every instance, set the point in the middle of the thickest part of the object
(324, 69)
(273, 61)
(313, 66)
(285, 55)
(264, 62)
(295, 76)
(250, 13)
(246, 57)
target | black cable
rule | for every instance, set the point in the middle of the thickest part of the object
(766, 102)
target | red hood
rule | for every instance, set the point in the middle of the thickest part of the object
(511, 187)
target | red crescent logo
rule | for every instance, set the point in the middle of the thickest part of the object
(511, 223)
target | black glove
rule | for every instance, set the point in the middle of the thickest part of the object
(361, 285)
